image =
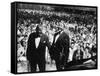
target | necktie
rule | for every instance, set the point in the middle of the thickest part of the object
(54, 39)
(55, 36)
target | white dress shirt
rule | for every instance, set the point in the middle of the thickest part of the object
(37, 41)
(57, 38)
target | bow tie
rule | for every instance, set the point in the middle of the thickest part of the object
(38, 36)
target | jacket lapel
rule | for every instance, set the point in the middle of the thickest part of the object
(60, 36)
(41, 40)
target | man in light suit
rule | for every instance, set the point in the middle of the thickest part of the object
(37, 43)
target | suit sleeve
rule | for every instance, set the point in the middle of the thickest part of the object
(48, 43)
(28, 46)
(66, 46)
(29, 40)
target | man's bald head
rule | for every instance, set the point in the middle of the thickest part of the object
(38, 30)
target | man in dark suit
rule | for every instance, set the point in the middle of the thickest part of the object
(59, 50)
(36, 46)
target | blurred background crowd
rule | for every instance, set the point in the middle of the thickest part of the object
(81, 26)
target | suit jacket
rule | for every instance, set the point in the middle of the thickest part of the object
(34, 53)
(61, 46)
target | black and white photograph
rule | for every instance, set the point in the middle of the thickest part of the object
(55, 37)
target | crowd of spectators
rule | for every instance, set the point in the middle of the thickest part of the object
(82, 30)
